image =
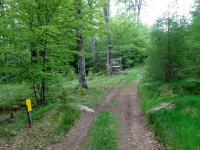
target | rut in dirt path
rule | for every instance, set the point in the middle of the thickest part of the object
(134, 135)
(78, 135)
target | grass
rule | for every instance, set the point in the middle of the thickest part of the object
(52, 122)
(105, 129)
(104, 132)
(44, 132)
(178, 128)
(12, 94)
(99, 86)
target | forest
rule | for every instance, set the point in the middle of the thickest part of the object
(98, 81)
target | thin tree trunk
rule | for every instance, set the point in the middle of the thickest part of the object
(80, 48)
(168, 59)
(109, 52)
(139, 7)
(42, 41)
(2, 11)
(2, 16)
(34, 57)
(136, 5)
(94, 50)
(94, 41)
(43, 82)
(35, 91)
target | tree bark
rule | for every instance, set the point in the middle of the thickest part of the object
(42, 19)
(2, 8)
(80, 48)
(94, 41)
(43, 81)
(168, 68)
(81, 61)
(139, 7)
(94, 51)
(136, 5)
(34, 56)
(109, 52)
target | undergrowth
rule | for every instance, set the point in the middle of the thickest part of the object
(52, 122)
(177, 128)
(104, 132)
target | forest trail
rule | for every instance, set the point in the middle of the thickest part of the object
(77, 136)
(133, 131)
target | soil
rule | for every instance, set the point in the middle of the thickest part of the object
(134, 133)
(77, 136)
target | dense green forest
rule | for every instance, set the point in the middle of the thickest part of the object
(42, 41)
(172, 70)
(62, 53)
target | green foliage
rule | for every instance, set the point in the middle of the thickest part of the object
(39, 42)
(176, 128)
(168, 47)
(174, 58)
(174, 51)
(52, 122)
(190, 86)
(104, 132)
(70, 115)
(129, 40)
(193, 53)
(14, 94)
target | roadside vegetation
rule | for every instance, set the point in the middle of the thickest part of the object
(61, 113)
(176, 127)
(104, 133)
(60, 54)
(64, 53)
(170, 89)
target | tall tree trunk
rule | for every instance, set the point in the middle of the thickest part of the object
(109, 52)
(3, 26)
(139, 7)
(34, 56)
(42, 19)
(168, 54)
(2, 41)
(136, 6)
(80, 47)
(94, 41)
(43, 82)
(94, 51)
(2, 11)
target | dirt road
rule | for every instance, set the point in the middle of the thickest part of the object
(134, 134)
(77, 136)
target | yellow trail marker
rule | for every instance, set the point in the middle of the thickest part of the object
(29, 109)
(28, 105)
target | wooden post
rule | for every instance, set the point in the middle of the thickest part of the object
(29, 119)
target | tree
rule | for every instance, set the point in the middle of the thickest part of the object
(39, 43)
(93, 38)
(129, 41)
(135, 6)
(109, 52)
(193, 53)
(80, 46)
(166, 58)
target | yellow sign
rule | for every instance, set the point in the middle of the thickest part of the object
(28, 104)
